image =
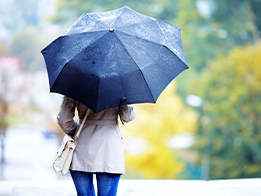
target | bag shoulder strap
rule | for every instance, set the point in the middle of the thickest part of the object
(80, 129)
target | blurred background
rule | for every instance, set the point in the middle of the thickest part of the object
(205, 125)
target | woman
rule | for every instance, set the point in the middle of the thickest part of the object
(99, 147)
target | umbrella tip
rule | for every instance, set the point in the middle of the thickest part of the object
(111, 29)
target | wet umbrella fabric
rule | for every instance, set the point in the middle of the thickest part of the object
(116, 57)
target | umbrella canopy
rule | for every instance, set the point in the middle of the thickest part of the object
(114, 58)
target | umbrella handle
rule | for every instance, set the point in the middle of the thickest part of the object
(122, 99)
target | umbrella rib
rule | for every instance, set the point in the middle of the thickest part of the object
(137, 23)
(85, 48)
(154, 43)
(75, 56)
(157, 22)
(136, 65)
(92, 31)
(121, 12)
(94, 14)
(150, 40)
(81, 33)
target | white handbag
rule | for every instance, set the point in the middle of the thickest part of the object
(65, 153)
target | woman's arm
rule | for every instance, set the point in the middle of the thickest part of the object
(127, 113)
(66, 115)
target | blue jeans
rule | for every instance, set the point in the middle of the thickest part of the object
(107, 184)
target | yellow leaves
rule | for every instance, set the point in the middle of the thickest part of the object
(156, 124)
(246, 61)
(185, 16)
(157, 162)
(242, 61)
(232, 78)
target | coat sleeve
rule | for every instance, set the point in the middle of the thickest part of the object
(127, 113)
(66, 115)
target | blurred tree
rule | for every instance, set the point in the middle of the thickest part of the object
(154, 126)
(26, 46)
(69, 11)
(241, 20)
(22, 22)
(213, 27)
(229, 133)
(18, 15)
(194, 35)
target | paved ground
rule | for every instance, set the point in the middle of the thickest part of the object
(243, 187)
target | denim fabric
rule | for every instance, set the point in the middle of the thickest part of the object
(107, 184)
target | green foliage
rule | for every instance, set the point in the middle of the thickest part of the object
(71, 10)
(244, 15)
(230, 123)
(22, 22)
(229, 23)
(26, 46)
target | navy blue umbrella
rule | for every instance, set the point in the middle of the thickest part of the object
(114, 58)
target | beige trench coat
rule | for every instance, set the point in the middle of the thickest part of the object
(99, 146)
